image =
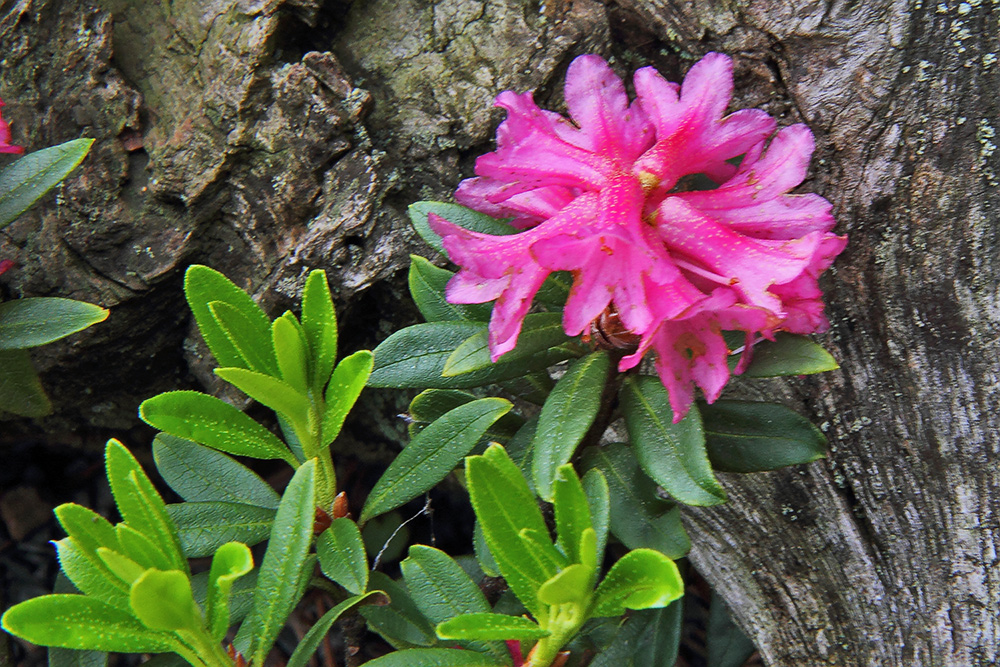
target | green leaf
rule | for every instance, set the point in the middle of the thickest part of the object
(214, 423)
(439, 586)
(163, 601)
(200, 474)
(319, 323)
(427, 287)
(505, 507)
(140, 548)
(277, 590)
(273, 393)
(433, 454)
(342, 555)
(539, 332)
(400, 623)
(483, 556)
(21, 391)
(743, 436)
(638, 518)
(139, 504)
(432, 404)
(455, 214)
(346, 383)
(204, 527)
(728, 646)
(310, 643)
(257, 353)
(648, 637)
(789, 355)
(641, 579)
(570, 585)
(415, 357)
(490, 627)
(67, 657)
(80, 622)
(203, 286)
(121, 566)
(26, 180)
(571, 510)
(291, 351)
(230, 562)
(240, 594)
(88, 528)
(566, 417)
(36, 321)
(435, 657)
(672, 454)
(595, 486)
(89, 573)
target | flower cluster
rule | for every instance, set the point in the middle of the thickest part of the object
(608, 195)
(5, 145)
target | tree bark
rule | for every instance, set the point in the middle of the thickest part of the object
(267, 138)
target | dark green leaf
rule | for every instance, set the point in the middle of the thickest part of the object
(638, 518)
(672, 454)
(648, 637)
(342, 393)
(789, 355)
(435, 657)
(36, 321)
(230, 562)
(430, 405)
(203, 286)
(539, 332)
(427, 287)
(283, 567)
(743, 436)
(21, 392)
(490, 627)
(80, 622)
(455, 214)
(415, 357)
(257, 353)
(641, 579)
(163, 601)
(310, 643)
(566, 416)
(204, 527)
(400, 623)
(342, 555)
(727, 645)
(209, 421)
(67, 657)
(26, 180)
(319, 323)
(433, 454)
(200, 474)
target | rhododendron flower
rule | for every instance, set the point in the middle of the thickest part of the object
(606, 195)
(5, 145)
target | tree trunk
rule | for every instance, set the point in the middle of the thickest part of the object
(267, 138)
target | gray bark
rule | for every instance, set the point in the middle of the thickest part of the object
(269, 138)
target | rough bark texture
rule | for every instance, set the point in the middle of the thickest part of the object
(267, 138)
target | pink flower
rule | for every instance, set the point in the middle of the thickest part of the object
(605, 195)
(5, 145)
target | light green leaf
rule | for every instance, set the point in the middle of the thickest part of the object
(139, 504)
(342, 555)
(121, 566)
(571, 510)
(36, 321)
(21, 391)
(415, 357)
(80, 622)
(214, 423)
(257, 353)
(595, 486)
(86, 570)
(200, 474)
(88, 528)
(638, 518)
(26, 180)
(163, 601)
(283, 566)
(319, 323)
(292, 352)
(273, 393)
(539, 332)
(140, 548)
(433, 454)
(455, 214)
(310, 643)
(205, 527)
(400, 623)
(789, 355)
(566, 417)
(672, 454)
(570, 585)
(490, 627)
(743, 436)
(346, 383)
(641, 579)
(203, 286)
(435, 657)
(427, 287)
(230, 562)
